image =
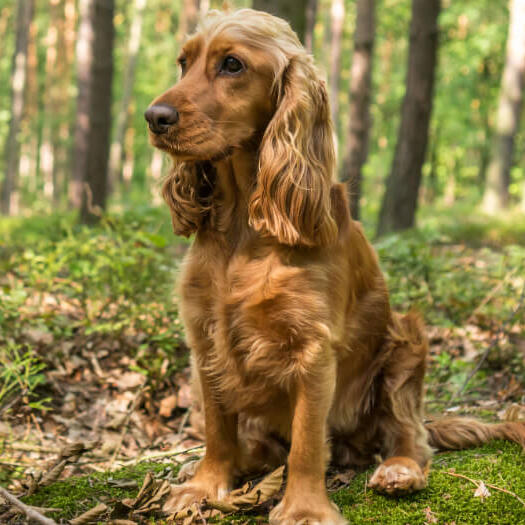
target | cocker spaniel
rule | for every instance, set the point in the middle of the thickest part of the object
(296, 352)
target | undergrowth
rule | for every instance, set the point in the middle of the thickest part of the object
(446, 500)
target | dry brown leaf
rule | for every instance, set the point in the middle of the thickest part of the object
(247, 496)
(91, 516)
(430, 517)
(168, 405)
(482, 491)
(150, 497)
(341, 479)
(53, 474)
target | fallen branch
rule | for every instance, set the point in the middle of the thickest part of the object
(477, 483)
(30, 512)
(26, 447)
(158, 455)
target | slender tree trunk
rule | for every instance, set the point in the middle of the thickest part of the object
(511, 97)
(294, 11)
(5, 19)
(117, 147)
(400, 200)
(95, 74)
(311, 15)
(188, 19)
(28, 178)
(67, 129)
(52, 105)
(18, 86)
(84, 54)
(337, 15)
(360, 93)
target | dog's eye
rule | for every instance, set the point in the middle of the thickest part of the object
(231, 66)
(182, 62)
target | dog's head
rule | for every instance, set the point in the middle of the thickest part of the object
(247, 82)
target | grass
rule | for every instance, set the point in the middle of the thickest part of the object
(447, 499)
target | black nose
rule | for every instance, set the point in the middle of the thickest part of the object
(161, 117)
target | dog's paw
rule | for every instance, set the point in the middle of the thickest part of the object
(192, 492)
(398, 475)
(305, 511)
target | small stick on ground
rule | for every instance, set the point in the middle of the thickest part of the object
(125, 424)
(158, 455)
(30, 512)
(476, 482)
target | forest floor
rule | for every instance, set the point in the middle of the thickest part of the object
(95, 390)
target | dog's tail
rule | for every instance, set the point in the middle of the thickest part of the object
(456, 433)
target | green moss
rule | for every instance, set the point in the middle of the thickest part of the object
(450, 499)
(79, 494)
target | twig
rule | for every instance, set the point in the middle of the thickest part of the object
(490, 295)
(494, 343)
(159, 455)
(477, 483)
(30, 512)
(26, 447)
(125, 424)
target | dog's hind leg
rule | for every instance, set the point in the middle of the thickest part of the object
(404, 440)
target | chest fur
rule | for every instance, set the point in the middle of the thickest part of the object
(251, 320)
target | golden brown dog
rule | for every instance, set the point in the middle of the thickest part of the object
(285, 307)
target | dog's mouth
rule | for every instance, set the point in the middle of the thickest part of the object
(195, 150)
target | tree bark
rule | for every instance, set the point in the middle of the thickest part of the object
(117, 147)
(18, 86)
(311, 15)
(292, 11)
(400, 200)
(337, 15)
(93, 124)
(496, 195)
(189, 16)
(360, 93)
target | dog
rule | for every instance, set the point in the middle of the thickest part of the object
(296, 353)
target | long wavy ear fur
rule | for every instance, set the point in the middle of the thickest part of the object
(291, 200)
(188, 192)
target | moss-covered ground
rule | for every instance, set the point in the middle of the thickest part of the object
(446, 500)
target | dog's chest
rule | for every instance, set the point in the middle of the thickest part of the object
(250, 320)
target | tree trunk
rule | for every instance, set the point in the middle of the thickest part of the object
(18, 85)
(311, 15)
(337, 15)
(188, 19)
(360, 94)
(292, 11)
(93, 124)
(52, 101)
(28, 178)
(400, 200)
(511, 97)
(117, 148)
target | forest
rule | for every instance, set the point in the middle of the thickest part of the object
(426, 100)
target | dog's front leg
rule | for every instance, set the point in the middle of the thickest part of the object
(305, 499)
(214, 476)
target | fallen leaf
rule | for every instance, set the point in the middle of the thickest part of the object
(168, 405)
(482, 491)
(430, 517)
(260, 493)
(91, 516)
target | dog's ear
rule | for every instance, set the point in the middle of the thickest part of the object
(291, 200)
(188, 190)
